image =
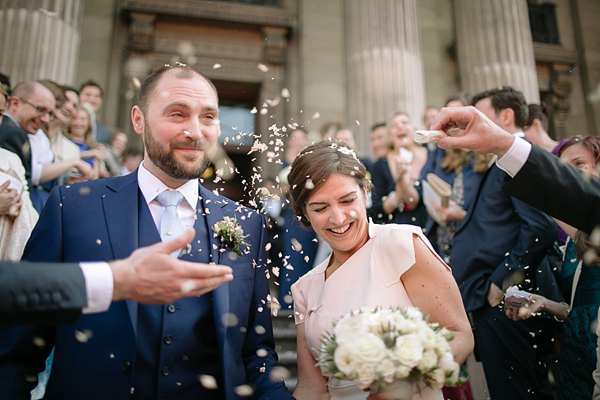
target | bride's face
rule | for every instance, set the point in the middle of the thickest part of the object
(337, 212)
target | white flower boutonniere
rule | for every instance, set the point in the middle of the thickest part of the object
(231, 234)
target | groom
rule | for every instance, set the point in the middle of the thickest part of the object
(216, 346)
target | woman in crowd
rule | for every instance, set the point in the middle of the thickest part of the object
(577, 358)
(394, 176)
(461, 169)
(80, 133)
(370, 265)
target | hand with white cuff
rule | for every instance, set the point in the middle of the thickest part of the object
(150, 275)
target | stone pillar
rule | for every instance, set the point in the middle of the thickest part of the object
(39, 39)
(385, 71)
(494, 46)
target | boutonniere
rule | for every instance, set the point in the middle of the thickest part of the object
(231, 234)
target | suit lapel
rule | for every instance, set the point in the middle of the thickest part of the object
(121, 211)
(212, 209)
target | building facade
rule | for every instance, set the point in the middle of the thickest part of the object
(283, 63)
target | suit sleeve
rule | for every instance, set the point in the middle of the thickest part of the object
(41, 293)
(380, 183)
(558, 189)
(258, 369)
(22, 358)
(536, 235)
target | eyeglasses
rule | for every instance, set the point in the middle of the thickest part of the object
(41, 111)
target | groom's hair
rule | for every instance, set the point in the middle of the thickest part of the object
(150, 82)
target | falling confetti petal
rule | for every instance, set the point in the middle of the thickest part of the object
(216, 66)
(262, 352)
(263, 67)
(253, 111)
(208, 382)
(229, 320)
(285, 93)
(259, 329)
(243, 390)
(83, 336)
(279, 373)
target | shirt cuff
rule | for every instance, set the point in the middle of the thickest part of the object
(99, 286)
(515, 157)
(36, 172)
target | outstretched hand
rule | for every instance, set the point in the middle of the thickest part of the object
(150, 275)
(476, 131)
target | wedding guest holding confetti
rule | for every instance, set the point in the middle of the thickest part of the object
(370, 265)
(462, 170)
(394, 176)
(577, 358)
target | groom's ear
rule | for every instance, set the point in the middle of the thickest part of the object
(137, 120)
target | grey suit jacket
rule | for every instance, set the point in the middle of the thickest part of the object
(41, 293)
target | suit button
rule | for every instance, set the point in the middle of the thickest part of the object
(171, 308)
(34, 299)
(21, 300)
(168, 339)
(57, 297)
(126, 365)
(165, 371)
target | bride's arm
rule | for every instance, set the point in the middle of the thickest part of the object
(312, 385)
(432, 288)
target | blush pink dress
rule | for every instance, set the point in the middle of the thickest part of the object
(370, 277)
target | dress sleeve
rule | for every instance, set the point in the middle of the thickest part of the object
(299, 301)
(395, 251)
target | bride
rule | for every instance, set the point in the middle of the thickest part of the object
(370, 265)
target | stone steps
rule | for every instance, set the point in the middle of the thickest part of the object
(284, 331)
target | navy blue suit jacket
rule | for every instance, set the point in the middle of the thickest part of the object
(15, 139)
(98, 221)
(471, 182)
(499, 236)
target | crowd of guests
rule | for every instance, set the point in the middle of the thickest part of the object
(49, 136)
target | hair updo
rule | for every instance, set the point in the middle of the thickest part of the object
(317, 163)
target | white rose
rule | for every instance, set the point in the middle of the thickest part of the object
(427, 337)
(387, 370)
(366, 376)
(410, 326)
(414, 313)
(402, 371)
(441, 344)
(343, 358)
(438, 376)
(408, 350)
(428, 361)
(349, 327)
(369, 349)
(447, 363)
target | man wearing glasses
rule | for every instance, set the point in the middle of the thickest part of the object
(29, 108)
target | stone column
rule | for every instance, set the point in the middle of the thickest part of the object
(385, 71)
(494, 46)
(39, 39)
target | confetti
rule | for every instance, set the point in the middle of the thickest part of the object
(208, 382)
(263, 67)
(243, 390)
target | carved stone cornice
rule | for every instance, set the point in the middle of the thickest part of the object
(141, 32)
(554, 54)
(275, 44)
(217, 10)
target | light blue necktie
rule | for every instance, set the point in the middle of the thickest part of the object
(170, 225)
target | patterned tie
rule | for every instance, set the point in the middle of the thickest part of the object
(170, 225)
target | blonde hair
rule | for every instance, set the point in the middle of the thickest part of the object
(456, 159)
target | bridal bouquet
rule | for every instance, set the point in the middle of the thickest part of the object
(377, 348)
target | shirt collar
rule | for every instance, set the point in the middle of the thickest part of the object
(151, 187)
(11, 118)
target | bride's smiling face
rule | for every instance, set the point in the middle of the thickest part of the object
(338, 214)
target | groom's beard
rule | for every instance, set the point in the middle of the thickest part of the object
(164, 158)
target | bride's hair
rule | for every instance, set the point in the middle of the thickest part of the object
(318, 162)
